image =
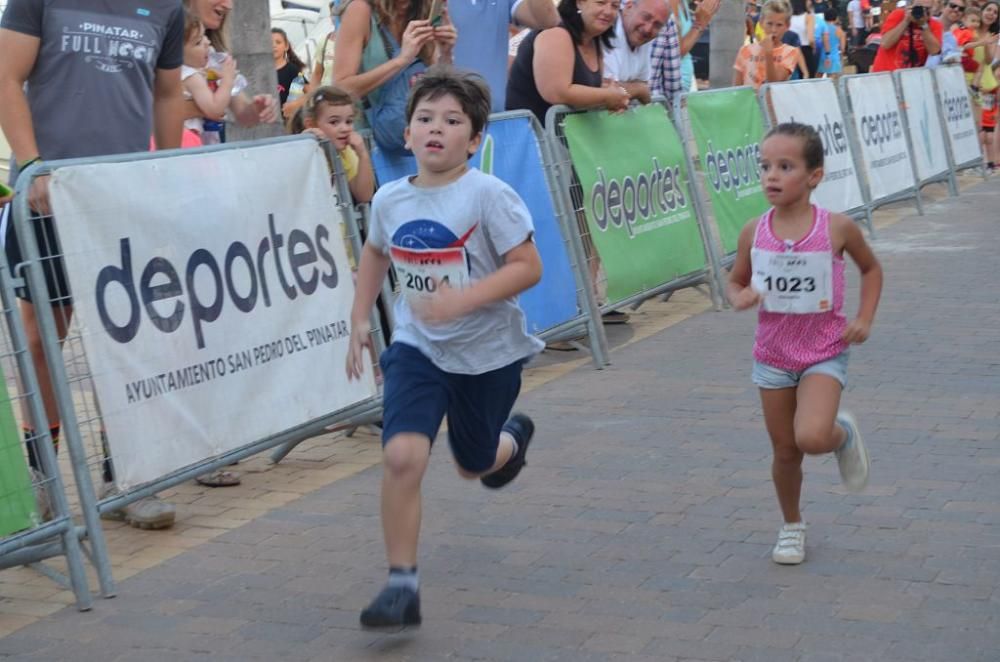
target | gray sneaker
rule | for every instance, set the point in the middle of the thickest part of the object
(852, 457)
(146, 513)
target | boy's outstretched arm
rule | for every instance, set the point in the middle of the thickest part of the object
(521, 270)
(372, 269)
(871, 280)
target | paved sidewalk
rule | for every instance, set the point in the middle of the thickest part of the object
(642, 528)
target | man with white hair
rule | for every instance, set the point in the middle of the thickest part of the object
(628, 61)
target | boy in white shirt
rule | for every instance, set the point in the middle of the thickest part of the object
(461, 243)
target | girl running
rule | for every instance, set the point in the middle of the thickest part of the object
(790, 262)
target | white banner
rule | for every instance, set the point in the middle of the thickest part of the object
(924, 121)
(816, 103)
(213, 293)
(879, 127)
(957, 109)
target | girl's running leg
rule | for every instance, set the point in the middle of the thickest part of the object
(816, 431)
(786, 467)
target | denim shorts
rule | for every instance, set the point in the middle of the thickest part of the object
(418, 395)
(766, 376)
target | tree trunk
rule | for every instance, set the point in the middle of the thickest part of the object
(250, 39)
(725, 41)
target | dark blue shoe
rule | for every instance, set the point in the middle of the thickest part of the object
(393, 607)
(522, 429)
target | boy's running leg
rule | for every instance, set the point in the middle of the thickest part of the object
(404, 461)
(511, 451)
(786, 472)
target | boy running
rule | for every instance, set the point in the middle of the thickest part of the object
(461, 244)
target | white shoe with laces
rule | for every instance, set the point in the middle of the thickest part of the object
(852, 457)
(791, 546)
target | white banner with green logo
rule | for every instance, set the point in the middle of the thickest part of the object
(924, 122)
(728, 128)
(636, 197)
(815, 102)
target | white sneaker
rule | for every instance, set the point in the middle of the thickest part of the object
(852, 457)
(791, 546)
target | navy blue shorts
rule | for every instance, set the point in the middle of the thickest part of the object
(417, 395)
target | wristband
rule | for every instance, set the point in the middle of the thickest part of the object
(25, 164)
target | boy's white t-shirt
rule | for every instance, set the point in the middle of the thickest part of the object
(485, 216)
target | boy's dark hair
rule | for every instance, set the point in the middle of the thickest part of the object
(572, 21)
(812, 144)
(830, 16)
(468, 88)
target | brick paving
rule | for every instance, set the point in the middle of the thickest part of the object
(642, 528)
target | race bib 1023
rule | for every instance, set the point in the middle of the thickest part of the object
(795, 283)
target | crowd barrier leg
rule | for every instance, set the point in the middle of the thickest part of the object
(718, 263)
(51, 346)
(573, 201)
(553, 165)
(58, 535)
(561, 173)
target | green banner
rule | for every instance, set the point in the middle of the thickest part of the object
(17, 500)
(636, 197)
(728, 128)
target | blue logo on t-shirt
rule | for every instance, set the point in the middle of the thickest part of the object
(142, 12)
(425, 233)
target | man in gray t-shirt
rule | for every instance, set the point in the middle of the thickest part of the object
(84, 78)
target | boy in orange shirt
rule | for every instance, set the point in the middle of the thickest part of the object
(768, 60)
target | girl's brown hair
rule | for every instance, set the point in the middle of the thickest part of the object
(328, 94)
(218, 38)
(812, 144)
(192, 26)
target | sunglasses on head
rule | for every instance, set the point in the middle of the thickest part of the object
(952, 5)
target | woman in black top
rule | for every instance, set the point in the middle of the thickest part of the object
(564, 64)
(286, 62)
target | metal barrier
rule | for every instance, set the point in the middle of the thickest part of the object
(572, 202)
(875, 116)
(72, 372)
(515, 150)
(36, 518)
(931, 156)
(957, 121)
(843, 188)
(733, 153)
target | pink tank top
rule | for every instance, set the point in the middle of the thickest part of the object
(794, 341)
